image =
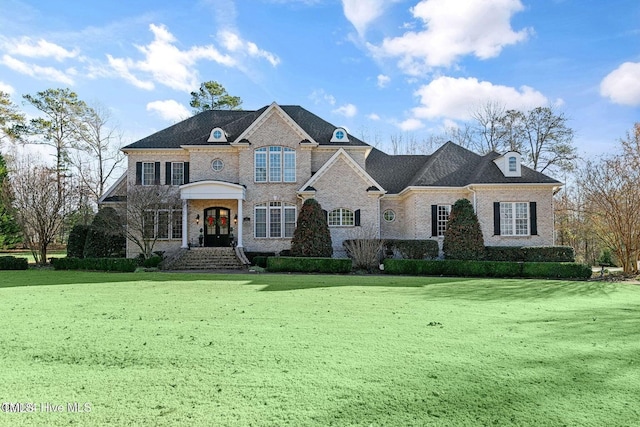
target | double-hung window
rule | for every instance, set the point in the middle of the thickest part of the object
(162, 224)
(442, 219)
(275, 164)
(148, 173)
(177, 173)
(514, 218)
(274, 220)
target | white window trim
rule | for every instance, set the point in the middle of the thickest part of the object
(441, 223)
(173, 171)
(170, 218)
(283, 154)
(341, 218)
(153, 173)
(269, 207)
(514, 220)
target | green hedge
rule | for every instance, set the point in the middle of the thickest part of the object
(13, 263)
(487, 268)
(260, 261)
(309, 265)
(98, 264)
(152, 262)
(530, 253)
(414, 249)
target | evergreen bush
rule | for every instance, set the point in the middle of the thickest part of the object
(76, 241)
(13, 263)
(105, 237)
(309, 265)
(311, 237)
(463, 236)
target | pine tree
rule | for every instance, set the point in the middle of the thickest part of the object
(10, 234)
(463, 236)
(311, 237)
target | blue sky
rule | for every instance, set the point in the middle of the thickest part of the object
(378, 67)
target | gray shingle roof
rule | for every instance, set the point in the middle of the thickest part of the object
(196, 130)
(450, 166)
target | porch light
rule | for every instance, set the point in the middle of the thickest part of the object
(197, 219)
(235, 219)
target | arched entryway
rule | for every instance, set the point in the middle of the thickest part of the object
(217, 230)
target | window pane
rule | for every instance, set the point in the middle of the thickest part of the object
(163, 225)
(443, 218)
(289, 165)
(334, 217)
(275, 224)
(148, 173)
(261, 222)
(347, 217)
(289, 221)
(148, 225)
(512, 164)
(275, 164)
(177, 173)
(506, 219)
(176, 230)
(261, 165)
(522, 219)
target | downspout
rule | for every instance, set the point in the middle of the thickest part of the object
(475, 203)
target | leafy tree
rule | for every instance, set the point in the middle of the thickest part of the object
(213, 96)
(9, 228)
(463, 236)
(58, 127)
(12, 122)
(311, 237)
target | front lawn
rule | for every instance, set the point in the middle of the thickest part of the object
(242, 349)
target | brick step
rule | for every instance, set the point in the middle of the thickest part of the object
(206, 259)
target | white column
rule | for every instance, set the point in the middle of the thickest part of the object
(240, 222)
(185, 229)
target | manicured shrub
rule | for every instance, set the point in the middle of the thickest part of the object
(252, 255)
(556, 270)
(467, 268)
(463, 236)
(311, 237)
(530, 253)
(76, 241)
(152, 262)
(97, 264)
(414, 249)
(13, 263)
(504, 253)
(309, 265)
(260, 261)
(105, 237)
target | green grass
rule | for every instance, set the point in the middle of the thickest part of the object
(300, 350)
(29, 256)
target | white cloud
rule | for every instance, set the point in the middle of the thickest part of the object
(347, 110)
(383, 80)
(410, 125)
(166, 64)
(361, 13)
(234, 43)
(6, 88)
(36, 71)
(319, 96)
(454, 28)
(456, 98)
(25, 46)
(169, 109)
(622, 85)
(373, 116)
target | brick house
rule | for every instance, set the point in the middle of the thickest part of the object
(242, 177)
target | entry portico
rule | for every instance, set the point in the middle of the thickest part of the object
(212, 190)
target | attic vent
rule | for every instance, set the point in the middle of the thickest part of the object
(340, 135)
(217, 135)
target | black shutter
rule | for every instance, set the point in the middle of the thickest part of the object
(157, 171)
(326, 215)
(434, 220)
(496, 218)
(533, 215)
(138, 173)
(186, 173)
(357, 217)
(167, 173)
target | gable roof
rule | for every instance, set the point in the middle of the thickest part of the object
(196, 130)
(449, 166)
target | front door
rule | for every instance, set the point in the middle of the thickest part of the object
(216, 227)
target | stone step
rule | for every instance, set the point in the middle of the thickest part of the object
(207, 259)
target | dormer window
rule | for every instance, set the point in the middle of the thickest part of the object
(510, 164)
(217, 135)
(340, 135)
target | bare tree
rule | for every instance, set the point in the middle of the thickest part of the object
(38, 206)
(141, 213)
(612, 188)
(97, 157)
(548, 141)
(489, 129)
